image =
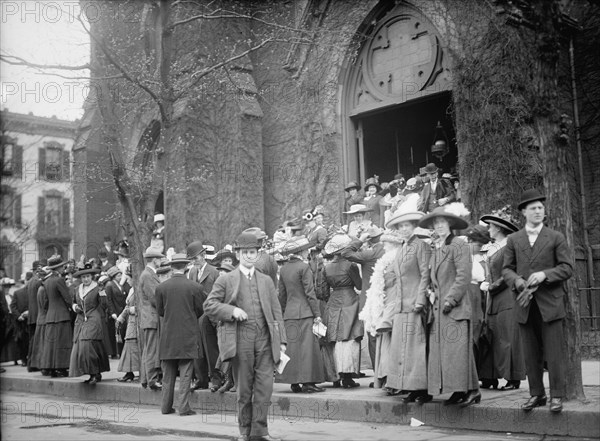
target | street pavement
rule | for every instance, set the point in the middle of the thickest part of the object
(334, 414)
(42, 417)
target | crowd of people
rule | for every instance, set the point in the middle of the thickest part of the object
(446, 307)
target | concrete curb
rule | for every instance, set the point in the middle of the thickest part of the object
(499, 413)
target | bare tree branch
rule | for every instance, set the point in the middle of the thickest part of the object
(18, 61)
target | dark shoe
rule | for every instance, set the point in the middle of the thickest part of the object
(489, 384)
(198, 385)
(535, 401)
(144, 385)
(171, 410)
(264, 438)
(89, 379)
(155, 386)
(372, 384)
(511, 385)
(127, 377)
(411, 397)
(424, 398)
(93, 380)
(99, 377)
(32, 369)
(556, 405)
(392, 392)
(46, 372)
(296, 388)
(349, 383)
(473, 397)
(2, 370)
(189, 412)
(311, 388)
(455, 398)
(337, 384)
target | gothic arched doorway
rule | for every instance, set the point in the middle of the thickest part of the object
(394, 93)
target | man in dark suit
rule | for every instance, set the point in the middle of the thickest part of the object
(205, 275)
(147, 283)
(437, 192)
(251, 335)
(19, 307)
(179, 302)
(366, 257)
(32, 308)
(536, 263)
(58, 332)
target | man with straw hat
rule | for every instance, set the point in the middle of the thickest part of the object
(537, 262)
(179, 303)
(251, 334)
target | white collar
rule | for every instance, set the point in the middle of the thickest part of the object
(537, 229)
(152, 268)
(495, 247)
(247, 271)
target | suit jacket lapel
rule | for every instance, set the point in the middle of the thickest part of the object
(540, 243)
(235, 283)
(522, 243)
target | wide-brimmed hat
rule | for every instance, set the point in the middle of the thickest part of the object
(372, 181)
(374, 231)
(478, 233)
(280, 258)
(159, 217)
(165, 267)
(7, 281)
(392, 236)
(103, 279)
(194, 249)
(294, 225)
(260, 234)
(87, 269)
(179, 258)
(501, 218)
(336, 244)
(153, 253)
(55, 262)
(430, 168)
(454, 219)
(224, 253)
(247, 241)
(411, 184)
(113, 271)
(296, 245)
(407, 211)
(531, 195)
(226, 267)
(210, 252)
(352, 184)
(358, 208)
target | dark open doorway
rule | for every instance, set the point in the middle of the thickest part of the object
(399, 140)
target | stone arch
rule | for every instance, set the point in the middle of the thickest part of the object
(399, 56)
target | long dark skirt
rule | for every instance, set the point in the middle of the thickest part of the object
(130, 357)
(306, 362)
(58, 343)
(88, 357)
(38, 347)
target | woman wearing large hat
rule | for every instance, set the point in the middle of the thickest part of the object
(359, 222)
(301, 311)
(410, 269)
(505, 358)
(89, 354)
(355, 196)
(371, 200)
(451, 364)
(344, 329)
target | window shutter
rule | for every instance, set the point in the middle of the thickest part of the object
(18, 161)
(66, 165)
(66, 216)
(42, 164)
(41, 215)
(17, 211)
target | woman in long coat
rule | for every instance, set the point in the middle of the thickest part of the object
(130, 357)
(408, 370)
(451, 364)
(301, 311)
(507, 360)
(89, 355)
(343, 326)
(39, 337)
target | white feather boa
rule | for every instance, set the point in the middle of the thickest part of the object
(374, 305)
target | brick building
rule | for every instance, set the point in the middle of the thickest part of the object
(37, 190)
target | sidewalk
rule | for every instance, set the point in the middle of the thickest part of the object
(498, 411)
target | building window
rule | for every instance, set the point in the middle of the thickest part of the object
(54, 162)
(11, 255)
(12, 157)
(10, 207)
(53, 216)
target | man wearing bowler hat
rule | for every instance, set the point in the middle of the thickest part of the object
(205, 275)
(149, 319)
(437, 192)
(251, 335)
(537, 261)
(179, 303)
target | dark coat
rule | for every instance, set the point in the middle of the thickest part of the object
(147, 301)
(59, 299)
(267, 264)
(209, 275)
(412, 272)
(115, 297)
(550, 254)
(366, 258)
(42, 302)
(501, 296)
(20, 301)
(32, 289)
(297, 291)
(443, 189)
(222, 301)
(89, 322)
(179, 302)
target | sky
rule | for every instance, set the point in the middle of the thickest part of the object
(43, 32)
